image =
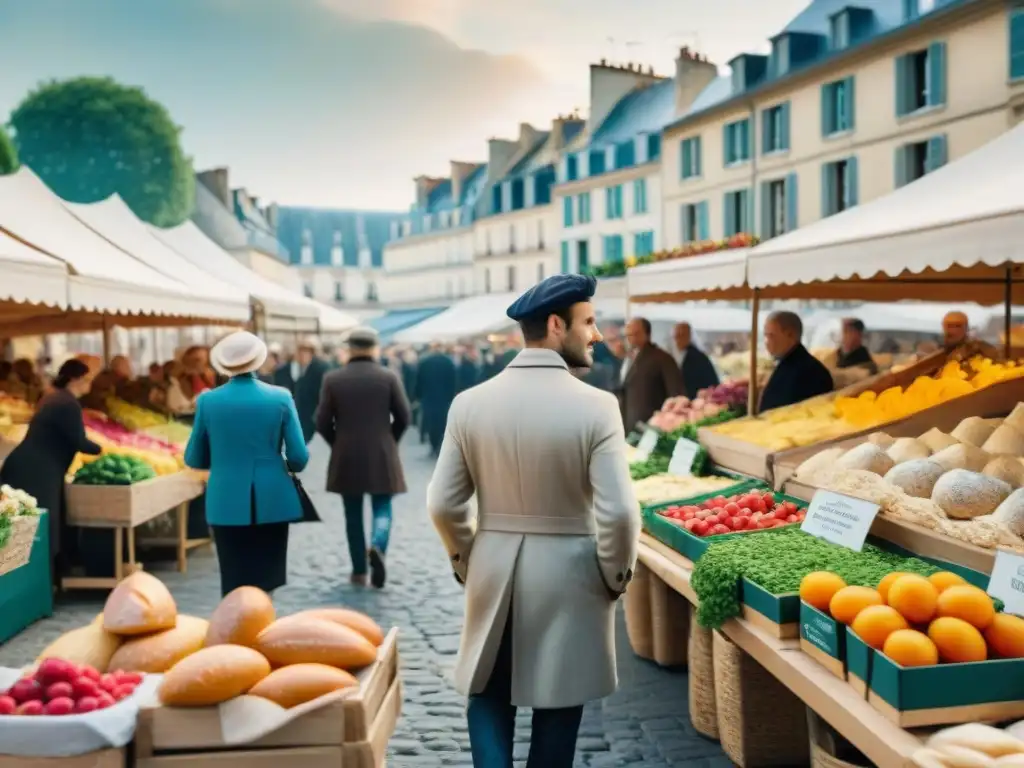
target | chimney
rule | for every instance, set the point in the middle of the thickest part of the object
(424, 186)
(216, 180)
(609, 84)
(558, 126)
(527, 136)
(460, 171)
(270, 213)
(499, 154)
(694, 73)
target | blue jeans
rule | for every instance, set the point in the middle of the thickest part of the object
(354, 529)
(492, 721)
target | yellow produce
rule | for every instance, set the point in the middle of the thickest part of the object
(133, 416)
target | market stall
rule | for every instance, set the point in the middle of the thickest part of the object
(472, 317)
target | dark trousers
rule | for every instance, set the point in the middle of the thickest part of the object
(380, 533)
(492, 721)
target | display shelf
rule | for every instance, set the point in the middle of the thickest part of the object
(838, 703)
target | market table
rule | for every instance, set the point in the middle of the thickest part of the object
(834, 700)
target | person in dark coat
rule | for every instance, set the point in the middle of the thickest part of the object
(240, 432)
(436, 387)
(696, 367)
(362, 415)
(852, 350)
(649, 375)
(40, 462)
(468, 374)
(308, 385)
(287, 373)
(798, 374)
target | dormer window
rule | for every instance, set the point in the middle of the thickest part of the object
(914, 8)
(780, 55)
(839, 32)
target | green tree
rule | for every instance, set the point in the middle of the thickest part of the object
(8, 155)
(89, 137)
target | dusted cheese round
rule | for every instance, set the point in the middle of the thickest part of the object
(158, 652)
(139, 605)
(211, 676)
(315, 641)
(963, 495)
(240, 617)
(866, 456)
(916, 478)
(296, 684)
(962, 456)
(936, 440)
(360, 622)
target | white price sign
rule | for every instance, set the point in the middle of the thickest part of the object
(683, 456)
(839, 519)
(1007, 581)
(647, 443)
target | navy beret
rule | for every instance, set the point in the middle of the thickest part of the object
(552, 294)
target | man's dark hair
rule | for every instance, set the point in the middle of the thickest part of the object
(854, 324)
(788, 321)
(535, 327)
(645, 324)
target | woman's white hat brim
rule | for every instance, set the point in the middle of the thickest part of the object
(239, 353)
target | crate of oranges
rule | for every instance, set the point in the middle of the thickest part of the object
(926, 650)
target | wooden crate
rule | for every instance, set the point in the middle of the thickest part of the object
(128, 506)
(351, 732)
(106, 758)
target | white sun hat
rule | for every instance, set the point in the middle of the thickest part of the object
(239, 353)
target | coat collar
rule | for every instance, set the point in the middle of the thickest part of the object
(535, 357)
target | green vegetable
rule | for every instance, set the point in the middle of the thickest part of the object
(777, 561)
(5, 530)
(114, 469)
(654, 465)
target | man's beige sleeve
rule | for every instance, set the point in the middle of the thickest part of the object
(448, 496)
(615, 507)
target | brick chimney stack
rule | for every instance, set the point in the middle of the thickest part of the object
(694, 73)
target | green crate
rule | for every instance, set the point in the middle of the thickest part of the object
(26, 593)
(858, 661)
(826, 636)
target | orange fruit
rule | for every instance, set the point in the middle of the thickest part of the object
(957, 640)
(818, 588)
(969, 603)
(876, 622)
(1005, 636)
(914, 597)
(886, 582)
(910, 648)
(849, 601)
(943, 580)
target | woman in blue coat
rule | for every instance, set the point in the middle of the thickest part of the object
(240, 432)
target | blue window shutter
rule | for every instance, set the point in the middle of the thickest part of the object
(766, 134)
(618, 201)
(902, 83)
(684, 161)
(936, 157)
(826, 189)
(726, 133)
(745, 139)
(909, 9)
(851, 105)
(747, 225)
(784, 126)
(702, 221)
(936, 74)
(851, 182)
(698, 162)
(900, 166)
(1016, 25)
(727, 204)
(826, 110)
(608, 203)
(565, 256)
(567, 211)
(791, 203)
(766, 209)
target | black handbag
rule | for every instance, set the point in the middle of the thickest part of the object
(309, 513)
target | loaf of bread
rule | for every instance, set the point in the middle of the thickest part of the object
(296, 684)
(211, 676)
(90, 644)
(315, 641)
(160, 651)
(360, 622)
(139, 605)
(240, 617)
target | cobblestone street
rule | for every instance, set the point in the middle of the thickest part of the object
(645, 723)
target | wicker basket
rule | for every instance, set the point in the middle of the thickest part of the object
(761, 723)
(703, 715)
(19, 546)
(638, 612)
(828, 748)
(670, 624)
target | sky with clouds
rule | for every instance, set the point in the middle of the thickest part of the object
(341, 103)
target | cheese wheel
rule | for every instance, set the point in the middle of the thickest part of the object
(211, 676)
(296, 684)
(160, 651)
(360, 622)
(139, 605)
(240, 617)
(315, 641)
(90, 645)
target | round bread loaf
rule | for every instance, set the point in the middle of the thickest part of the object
(308, 640)
(211, 676)
(160, 651)
(240, 617)
(296, 684)
(360, 622)
(139, 605)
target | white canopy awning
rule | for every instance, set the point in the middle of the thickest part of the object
(114, 220)
(103, 278)
(703, 318)
(967, 214)
(470, 317)
(720, 272)
(26, 275)
(292, 311)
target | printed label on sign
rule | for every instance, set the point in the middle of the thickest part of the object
(683, 456)
(647, 443)
(1007, 581)
(839, 519)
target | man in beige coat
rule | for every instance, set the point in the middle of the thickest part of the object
(553, 542)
